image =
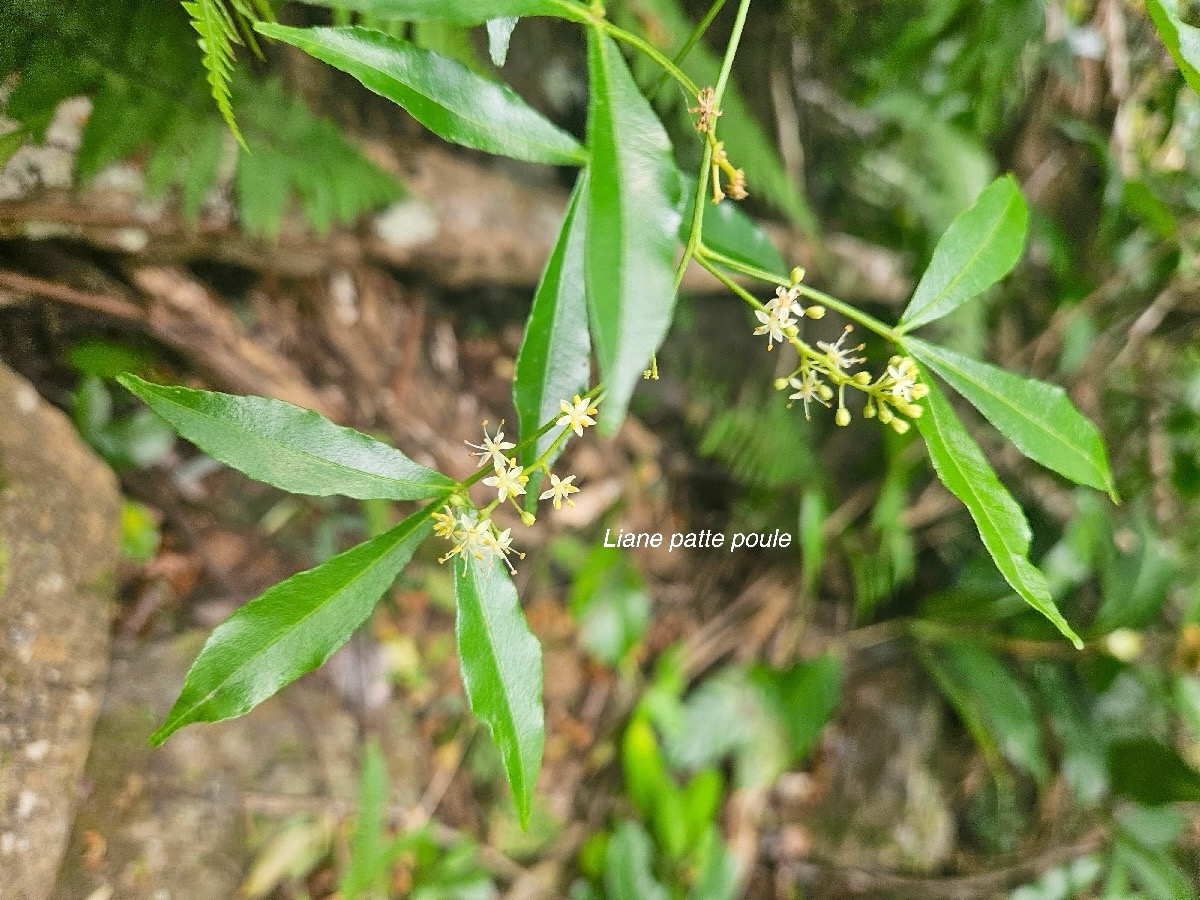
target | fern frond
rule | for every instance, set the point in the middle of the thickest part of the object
(218, 33)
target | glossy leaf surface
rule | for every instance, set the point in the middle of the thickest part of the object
(962, 467)
(1039, 418)
(501, 665)
(555, 359)
(291, 629)
(980, 247)
(459, 12)
(730, 231)
(292, 448)
(440, 93)
(632, 222)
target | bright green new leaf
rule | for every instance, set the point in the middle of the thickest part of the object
(729, 231)
(291, 448)
(1039, 418)
(642, 765)
(460, 12)
(501, 664)
(979, 248)
(1181, 39)
(440, 93)
(291, 629)
(554, 362)
(962, 467)
(628, 866)
(632, 221)
(985, 692)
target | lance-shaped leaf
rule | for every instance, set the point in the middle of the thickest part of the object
(440, 93)
(1182, 40)
(501, 664)
(554, 362)
(292, 448)
(730, 231)
(291, 629)
(1039, 418)
(460, 12)
(962, 467)
(979, 248)
(632, 221)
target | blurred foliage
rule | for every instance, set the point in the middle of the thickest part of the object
(138, 63)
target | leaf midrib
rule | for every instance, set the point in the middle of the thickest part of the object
(307, 453)
(361, 573)
(1018, 410)
(915, 321)
(473, 576)
(486, 127)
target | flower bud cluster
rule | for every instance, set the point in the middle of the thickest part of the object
(471, 530)
(707, 112)
(826, 371)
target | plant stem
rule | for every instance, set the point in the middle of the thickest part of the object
(850, 312)
(731, 51)
(650, 50)
(697, 33)
(742, 268)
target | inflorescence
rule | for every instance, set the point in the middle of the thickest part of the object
(827, 369)
(472, 531)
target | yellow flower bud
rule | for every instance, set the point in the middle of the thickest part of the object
(815, 312)
(885, 414)
(797, 274)
(527, 518)
(899, 426)
(842, 417)
(863, 378)
(869, 411)
(912, 410)
(825, 392)
(780, 383)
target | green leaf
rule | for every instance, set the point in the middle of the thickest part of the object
(499, 33)
(1151, 773)
(803, 698)
(642, 765)
(962, 467)
(632, 220)
(1039, 418)
(555, 359)
(979, 248)
(440, 93)
(460, 12)
(501, 665)
(291, 448)
(10, 143)
(218, 33)
(1181, 39)
(984, 691)
(728, 230)
(291, 629)
(628, 872)
(1152, 868)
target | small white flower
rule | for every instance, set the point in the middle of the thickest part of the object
(501, 545)
(841, 358)
(903, 375)
(808, 387)
(493, 447)
(508, 481)
(560, 489)
(776, 317)
(577, 415)
(472, 536)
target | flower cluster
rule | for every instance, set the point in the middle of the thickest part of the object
(471, 531)
(707, 112)
(827, 370)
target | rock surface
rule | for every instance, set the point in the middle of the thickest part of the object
(177, 822)
(59, 533)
